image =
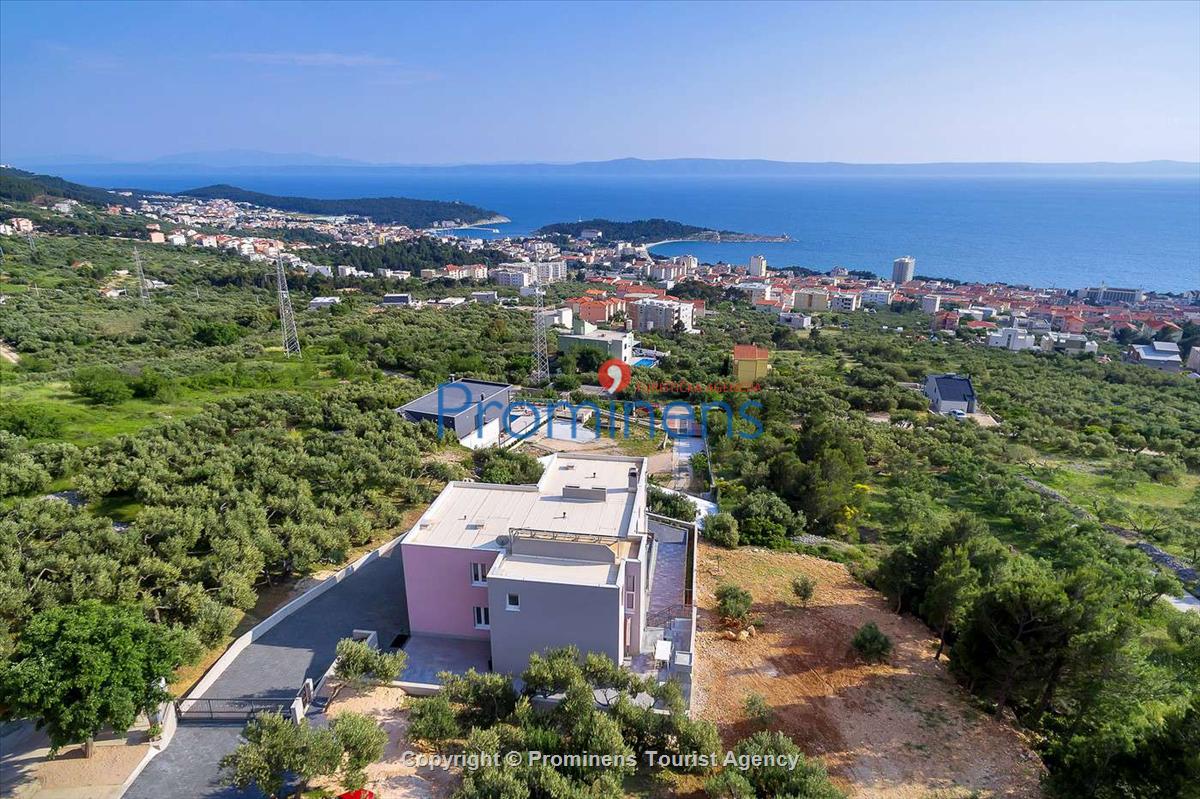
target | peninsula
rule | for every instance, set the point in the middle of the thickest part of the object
(648, 231)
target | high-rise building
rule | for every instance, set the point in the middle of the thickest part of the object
(758, 266)
(903, 269)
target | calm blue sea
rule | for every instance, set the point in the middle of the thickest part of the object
(1067, 232)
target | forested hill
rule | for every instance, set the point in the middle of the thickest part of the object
(388, 210)
(644, 231)
(22, 186)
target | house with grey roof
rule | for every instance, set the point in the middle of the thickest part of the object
(949, 393)
(471, 410)
(1160, 355)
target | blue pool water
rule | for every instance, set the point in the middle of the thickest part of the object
(647, 362)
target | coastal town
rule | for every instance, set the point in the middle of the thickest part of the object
(631, 288)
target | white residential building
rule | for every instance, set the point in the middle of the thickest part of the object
(1012, 338)
(844, 301)
(758, 266)
(931, 303)
(658, 314)
(512, 278)
(796, 321)
(316, 303)
(876, 297)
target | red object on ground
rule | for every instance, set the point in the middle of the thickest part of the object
(361, 793)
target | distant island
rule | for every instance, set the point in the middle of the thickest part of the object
(384, 210)
(648, 231)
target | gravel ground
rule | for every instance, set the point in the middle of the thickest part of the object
(900, 730)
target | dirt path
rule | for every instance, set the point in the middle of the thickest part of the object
(9, 354)
(896, 731)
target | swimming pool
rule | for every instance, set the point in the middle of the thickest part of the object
(647, 362)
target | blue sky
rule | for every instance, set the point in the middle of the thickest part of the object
(453, 83)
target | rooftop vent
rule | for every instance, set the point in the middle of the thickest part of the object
(588, 494)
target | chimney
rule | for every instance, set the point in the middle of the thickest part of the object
(633, 478)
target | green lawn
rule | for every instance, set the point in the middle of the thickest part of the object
(1086, 488)
(85, 423)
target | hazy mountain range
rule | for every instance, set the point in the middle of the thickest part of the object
(256, 161)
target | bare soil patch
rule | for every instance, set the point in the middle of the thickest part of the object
(900, 730)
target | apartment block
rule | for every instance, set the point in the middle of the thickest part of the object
(811, 300)
(656, 314)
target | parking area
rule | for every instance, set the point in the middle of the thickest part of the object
(274, 667)
(429, 655)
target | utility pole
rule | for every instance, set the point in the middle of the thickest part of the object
(541, 357)
(287, 320)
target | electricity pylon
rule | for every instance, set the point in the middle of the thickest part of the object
(287, 320)
(541, 321)
(143, 292)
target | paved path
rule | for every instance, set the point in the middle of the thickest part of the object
(302, 645)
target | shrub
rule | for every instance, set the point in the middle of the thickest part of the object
(871, 643)
(433, 720)
(666, 503)
(733, 602)
(101, 384)
(757, 709)
(722, 530)
(769, 775)
(359, 664)
(363, 740)
(803, 587)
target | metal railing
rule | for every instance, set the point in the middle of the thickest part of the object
(204, 709)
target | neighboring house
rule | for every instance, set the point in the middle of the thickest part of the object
(944, 320)
(485, 297)
(844, 301)
(470, 409)
(1193, 361)
(750, 364)
(530, 567)
(1069, 343)
(1012, 338)
(796, 321)
(950, 392)
(1160, 355)
(156, 237)
(811, 300)
(396, 301)
(316, 303)
(617, 343)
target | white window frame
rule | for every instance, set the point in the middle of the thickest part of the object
(479, 574)
(483, 617)
(510, 605)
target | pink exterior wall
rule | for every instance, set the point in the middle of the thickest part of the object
(437, 582)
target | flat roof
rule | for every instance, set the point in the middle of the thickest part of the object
(555, 570)
(471, 515)
(428, 403)
(608, 335)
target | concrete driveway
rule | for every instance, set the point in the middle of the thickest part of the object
(275, 666)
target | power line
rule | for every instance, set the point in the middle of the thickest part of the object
(287, 320)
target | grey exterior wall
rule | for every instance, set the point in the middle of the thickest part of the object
(552, 615)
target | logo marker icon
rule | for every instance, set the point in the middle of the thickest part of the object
(614, 375)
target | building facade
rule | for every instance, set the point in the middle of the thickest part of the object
(903, 269)
(529, 567)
